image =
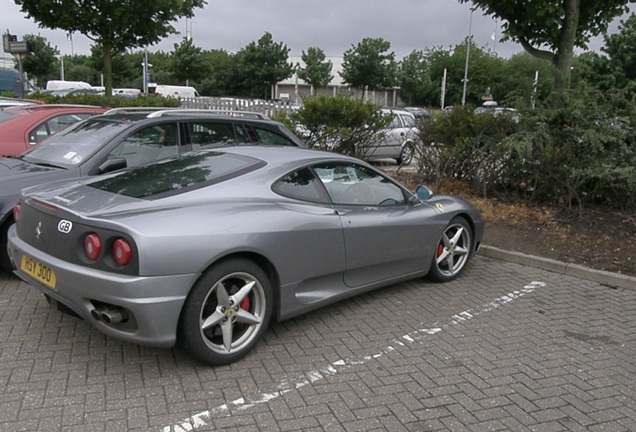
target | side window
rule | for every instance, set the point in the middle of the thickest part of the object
(395, 122)
(149, 144)
(301, 185)
(210, 134)
(267, 137)
(353, 184)
(243, 134)
(408, 121)
(39, 133)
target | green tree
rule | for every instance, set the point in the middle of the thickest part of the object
(620, 50)
(258, 66)
(123, 69)
(415, 79)
(80, 68)
(550, 29)
(484, 73)
(317, 71)
(369, 64)
(188, 62)
(114, 26)
(42, 64)
(517, 80)
(217, 82)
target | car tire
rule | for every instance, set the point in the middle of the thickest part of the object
(406, 154)
(452, 251)
(5, 261)
(226, 312)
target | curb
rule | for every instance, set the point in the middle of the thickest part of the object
(612, 280)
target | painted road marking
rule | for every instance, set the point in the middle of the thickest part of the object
(300, 380)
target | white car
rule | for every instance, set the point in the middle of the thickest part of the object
(399, 140)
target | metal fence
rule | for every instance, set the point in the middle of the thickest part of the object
(268, 108)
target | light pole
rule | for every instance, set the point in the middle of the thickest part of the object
(468, 40)
(296, 68)
(146, 72)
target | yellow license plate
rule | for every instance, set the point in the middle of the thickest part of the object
(38, 271)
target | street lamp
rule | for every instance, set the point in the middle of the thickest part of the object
(468, 40)
(146, 72)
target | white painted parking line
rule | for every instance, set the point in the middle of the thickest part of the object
(293, 383)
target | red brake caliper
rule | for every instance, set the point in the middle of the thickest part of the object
(440, 249)
(245, 305)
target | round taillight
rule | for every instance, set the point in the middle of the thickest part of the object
(17, 209)
(92, 246)
(122, 252)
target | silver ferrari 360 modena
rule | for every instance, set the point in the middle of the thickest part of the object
(204, 249)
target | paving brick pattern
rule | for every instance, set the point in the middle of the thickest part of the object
(503, 348)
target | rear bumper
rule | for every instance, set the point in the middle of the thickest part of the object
(151, 304)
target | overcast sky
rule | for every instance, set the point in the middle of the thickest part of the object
(333, 25)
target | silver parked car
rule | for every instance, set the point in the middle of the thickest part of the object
(399, 141)
(204, 249)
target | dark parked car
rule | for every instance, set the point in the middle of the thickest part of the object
(24, 126)
(205, 249)
(127, 138)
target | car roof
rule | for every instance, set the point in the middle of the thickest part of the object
(25, 109)
(284, 155)
(397, 111)
(136, 115)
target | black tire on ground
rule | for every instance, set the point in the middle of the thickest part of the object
(406, 155)
(5, 262)
(226, 313)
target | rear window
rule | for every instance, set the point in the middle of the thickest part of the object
(6, 116)
(74, 145)
(176, 175)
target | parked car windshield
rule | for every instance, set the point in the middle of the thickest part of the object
(174, 175)
(70, 147)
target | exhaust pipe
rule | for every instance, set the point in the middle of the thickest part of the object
(109, 315)
(114, 316)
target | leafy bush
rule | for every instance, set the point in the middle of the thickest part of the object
(465, 145)
(340, 124)
(581, 154)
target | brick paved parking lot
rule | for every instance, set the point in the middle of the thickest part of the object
(505, 347)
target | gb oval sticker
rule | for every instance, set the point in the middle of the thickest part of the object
(65, 226)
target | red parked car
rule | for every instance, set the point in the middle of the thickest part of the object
(22, 127)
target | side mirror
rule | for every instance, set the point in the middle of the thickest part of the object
(423, 192)
(113, 164)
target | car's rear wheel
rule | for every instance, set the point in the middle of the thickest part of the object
(226, 312)
(406, 154)
(452, 251)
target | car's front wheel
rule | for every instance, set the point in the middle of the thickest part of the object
(226, 313)
(452, 252)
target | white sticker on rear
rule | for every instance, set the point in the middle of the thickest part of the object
(65, 226)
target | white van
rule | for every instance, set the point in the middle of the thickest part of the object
(62, 85)
(130, 93)
(176, 91)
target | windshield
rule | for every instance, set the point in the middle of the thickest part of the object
(70, 147)
(173, 175)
